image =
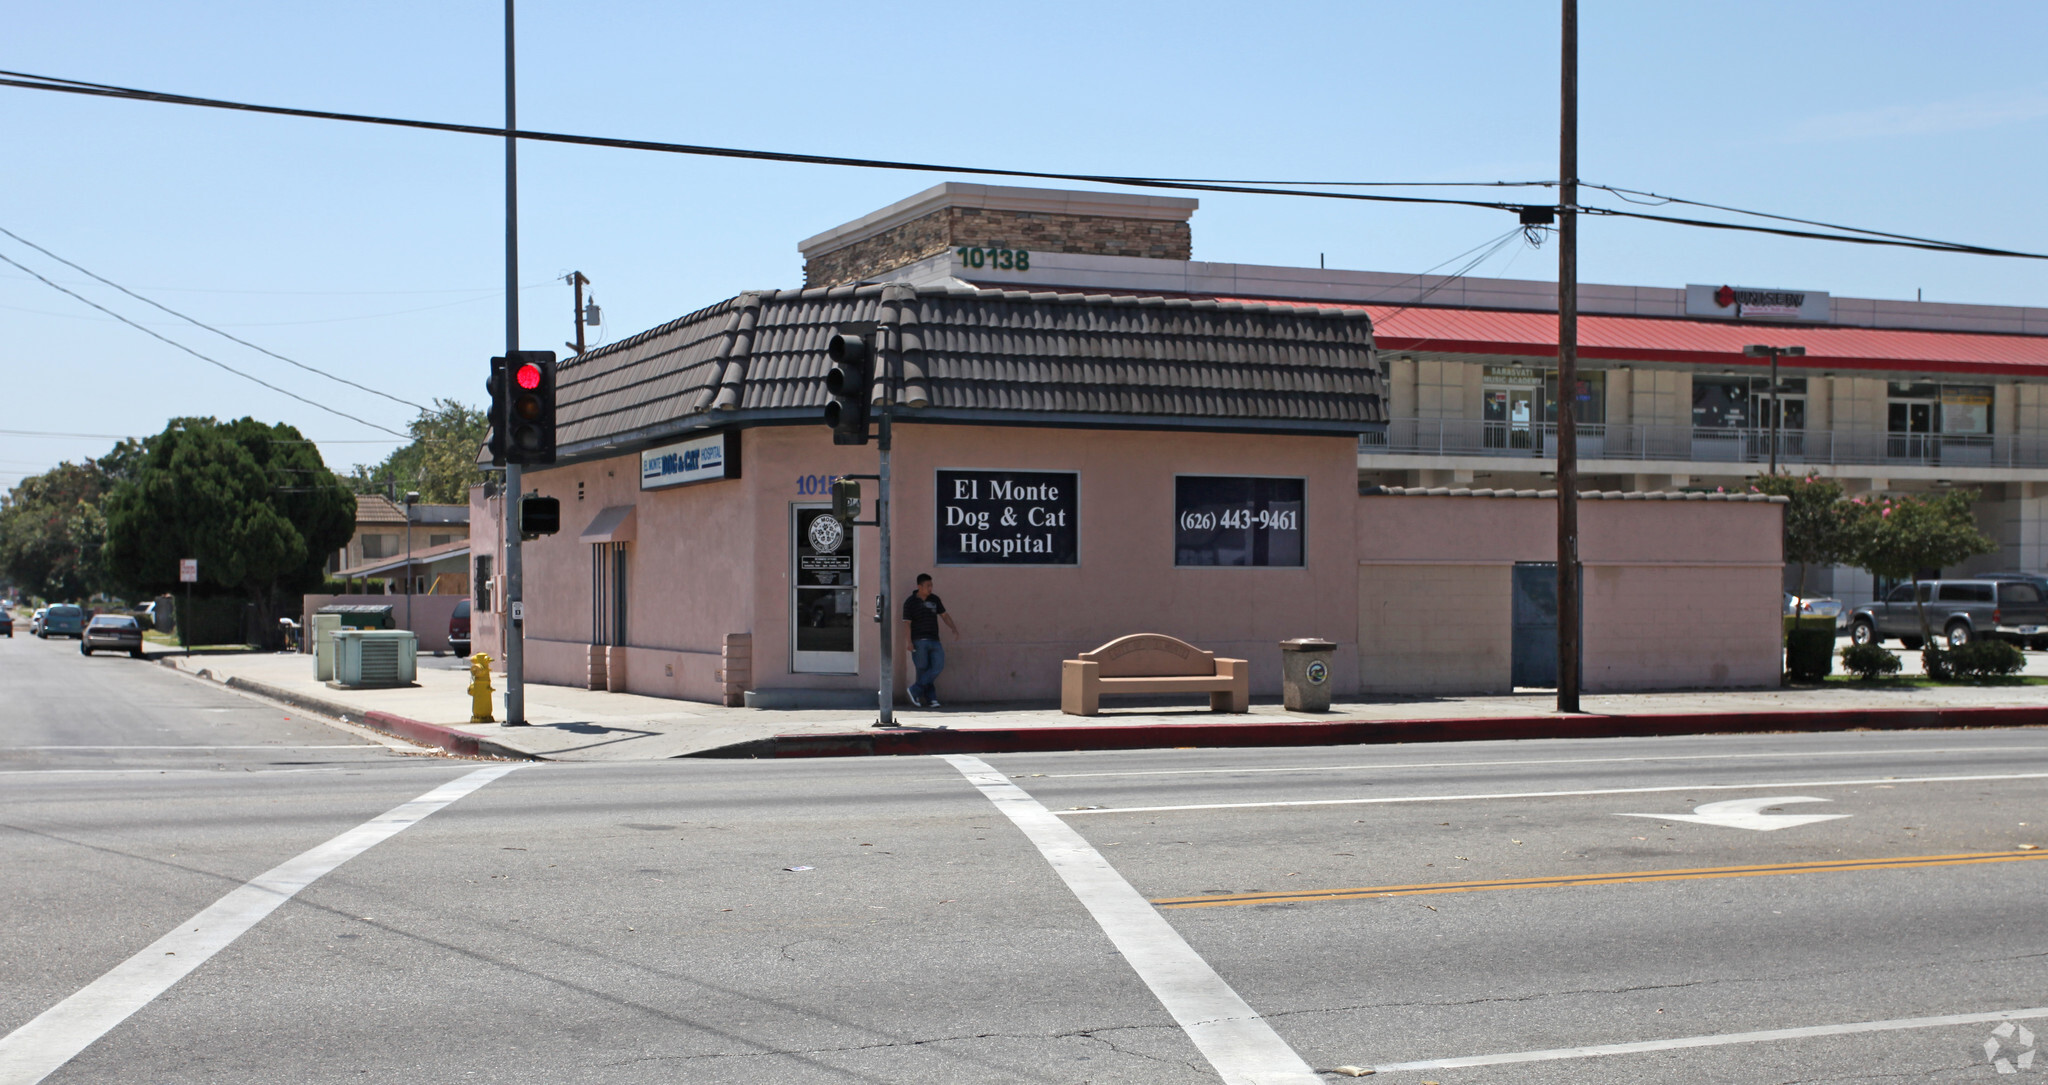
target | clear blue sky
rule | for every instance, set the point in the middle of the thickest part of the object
(378, 253)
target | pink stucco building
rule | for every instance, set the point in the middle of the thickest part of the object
(1070, 466)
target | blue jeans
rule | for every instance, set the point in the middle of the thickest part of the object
(929, 657)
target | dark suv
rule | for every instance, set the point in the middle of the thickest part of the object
(1958, 611)
(458, 629)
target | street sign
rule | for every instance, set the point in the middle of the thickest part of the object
(1747, 814)
(188, 570)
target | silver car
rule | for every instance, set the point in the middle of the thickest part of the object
(111, 632)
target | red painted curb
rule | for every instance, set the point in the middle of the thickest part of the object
(1374, 732)
(426, 734)
(447, 738)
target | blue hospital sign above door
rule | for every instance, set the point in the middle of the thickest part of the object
(1008, 518)
(703, 459)
(1234, 520)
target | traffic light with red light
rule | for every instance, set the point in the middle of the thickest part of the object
(523, 409)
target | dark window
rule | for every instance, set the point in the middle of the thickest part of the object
(2019, 593)
(1901, 594)
(1965, 593)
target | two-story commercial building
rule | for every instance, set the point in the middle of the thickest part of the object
(1889, 395)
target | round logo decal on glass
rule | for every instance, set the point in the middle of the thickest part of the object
(827, 535)
(1317, 673)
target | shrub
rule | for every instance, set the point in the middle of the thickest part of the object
(1868, 661)
(1985, 658)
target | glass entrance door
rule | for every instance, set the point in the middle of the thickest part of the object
(1510, 413)
(822, 593)
(1911, 430)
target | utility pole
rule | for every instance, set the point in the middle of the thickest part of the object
(578, 282)
(1568, 646)
(515, 606)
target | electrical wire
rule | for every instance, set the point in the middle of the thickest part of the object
(1658, 200)
(31, 81)
(196, 322)
(204, 358)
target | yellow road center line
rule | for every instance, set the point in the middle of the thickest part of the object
(1618, 878)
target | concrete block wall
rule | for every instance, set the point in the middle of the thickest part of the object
(1435, 629)
(1654, 626)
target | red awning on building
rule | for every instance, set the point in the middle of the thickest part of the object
(1698, 342)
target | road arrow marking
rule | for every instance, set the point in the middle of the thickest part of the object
(1746, 814)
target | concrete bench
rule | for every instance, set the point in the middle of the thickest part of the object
(1152, 663)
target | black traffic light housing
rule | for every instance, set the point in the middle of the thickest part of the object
(845, 500)
(849, 386)
(527, 436)
(495, 385)
(539, 516)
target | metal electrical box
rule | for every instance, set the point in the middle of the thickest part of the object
(325, 626)
(375, 657)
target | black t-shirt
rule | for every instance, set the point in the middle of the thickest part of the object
(923, 616)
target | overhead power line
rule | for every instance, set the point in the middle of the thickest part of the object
(202, 357)
(196, 322)
(31, 81)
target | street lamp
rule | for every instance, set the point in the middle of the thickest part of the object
(1758, 350)
(412, 497)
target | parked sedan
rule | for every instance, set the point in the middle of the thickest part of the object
(112, 632)
(7, 623)
(1809, 607)
(35, 621)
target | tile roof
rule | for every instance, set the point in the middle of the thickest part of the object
(1584, 495)
(1703, 342)
(986, 355)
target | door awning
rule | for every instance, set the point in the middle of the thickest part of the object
(612, 525)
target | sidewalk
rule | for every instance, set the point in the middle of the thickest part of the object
(570, 724)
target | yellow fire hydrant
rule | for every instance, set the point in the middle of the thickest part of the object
(480, 688)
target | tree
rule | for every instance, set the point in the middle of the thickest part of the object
(253, 503)
(1897, 536)
(440, 463)
(51, 532)
(1820, 527)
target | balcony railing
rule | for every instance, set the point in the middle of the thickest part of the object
(1599, 441)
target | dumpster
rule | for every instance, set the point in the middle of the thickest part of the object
(375, 657)
(362, 615)
(1305, 674)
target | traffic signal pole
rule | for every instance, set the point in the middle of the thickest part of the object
(886, 697)
(514, 613)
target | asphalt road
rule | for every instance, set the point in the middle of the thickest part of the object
(926, 920)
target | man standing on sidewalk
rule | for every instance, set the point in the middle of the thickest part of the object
(921, 614)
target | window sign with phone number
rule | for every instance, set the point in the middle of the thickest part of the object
(1000, 259)
(1233, 520)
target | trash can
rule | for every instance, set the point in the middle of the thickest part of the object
(1305, 674)
(1809, 647)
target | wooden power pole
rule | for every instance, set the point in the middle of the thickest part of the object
(1568, 645)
